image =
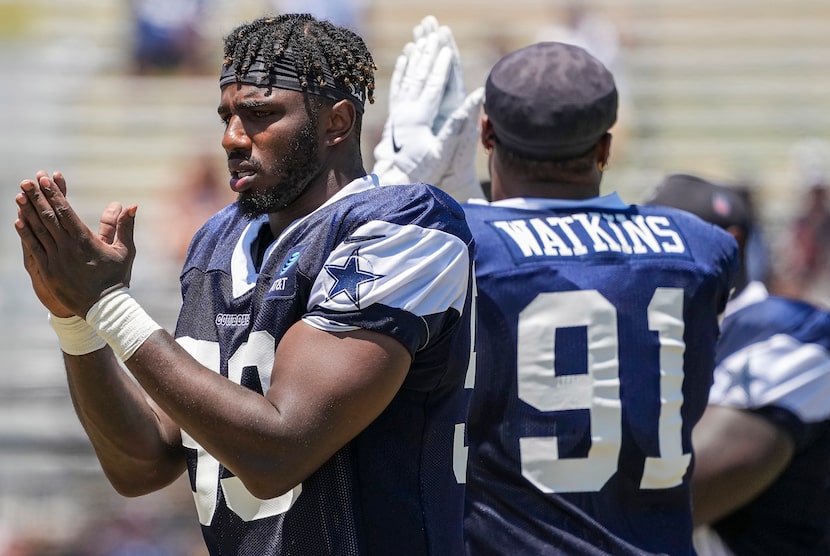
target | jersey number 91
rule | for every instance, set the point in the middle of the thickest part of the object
(598, 389)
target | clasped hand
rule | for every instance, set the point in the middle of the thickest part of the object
(71, 267)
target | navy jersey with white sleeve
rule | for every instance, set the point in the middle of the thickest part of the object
(395, 260)
(595, 342)
(774, 360)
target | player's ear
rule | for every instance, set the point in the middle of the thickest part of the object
(604, 149)
(340, 122)
(488, 136)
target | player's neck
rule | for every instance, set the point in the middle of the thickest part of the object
(567, 190)
(320, 190)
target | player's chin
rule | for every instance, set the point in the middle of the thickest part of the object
(250, 204)
(253, 203)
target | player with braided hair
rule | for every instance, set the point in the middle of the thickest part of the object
(313, 388)
(318, 44)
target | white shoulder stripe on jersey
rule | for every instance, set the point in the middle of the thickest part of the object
(421, 270)
(781, 372)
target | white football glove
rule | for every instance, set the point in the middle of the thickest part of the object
(431, 132)
(454, 87)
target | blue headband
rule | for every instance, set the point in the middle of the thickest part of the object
(284, 76)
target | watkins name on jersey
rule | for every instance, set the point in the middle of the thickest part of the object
(583, 233)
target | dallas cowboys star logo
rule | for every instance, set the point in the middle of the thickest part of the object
(348, 278)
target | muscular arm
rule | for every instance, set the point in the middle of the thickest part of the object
(325, 387)
(138, 445)
(737, 455)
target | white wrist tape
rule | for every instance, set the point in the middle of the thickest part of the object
(122, 322)
(75, 335)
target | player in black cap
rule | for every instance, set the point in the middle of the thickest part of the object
(717, 203)
(720, 204)
(596, 327)
(550, 101)
(762, 448)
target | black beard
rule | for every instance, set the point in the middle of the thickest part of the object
(295, 170)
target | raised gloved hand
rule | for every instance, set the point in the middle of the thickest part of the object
(453, 90)
(431, 132)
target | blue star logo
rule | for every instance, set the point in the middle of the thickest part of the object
(348, 278)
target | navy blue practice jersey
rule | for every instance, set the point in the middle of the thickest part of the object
(396, 260)
(595, 341)
(774, 360)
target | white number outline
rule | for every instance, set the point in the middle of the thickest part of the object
(258, 351)
(598, 390)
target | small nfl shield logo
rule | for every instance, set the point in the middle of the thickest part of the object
(721, 205)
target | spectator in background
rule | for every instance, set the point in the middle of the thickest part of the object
(761, 481)
(167, 36)
(804, 255)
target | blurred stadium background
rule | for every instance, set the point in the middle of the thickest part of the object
(723, 88)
